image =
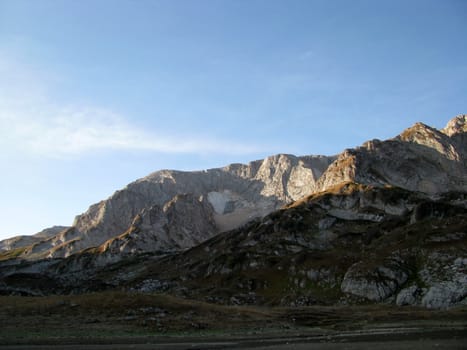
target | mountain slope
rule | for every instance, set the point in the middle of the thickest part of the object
(353, 243)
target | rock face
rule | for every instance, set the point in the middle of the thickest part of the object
(167, 228)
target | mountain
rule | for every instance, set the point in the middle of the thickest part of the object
(172, 210)
(141, 216)
(383, 222)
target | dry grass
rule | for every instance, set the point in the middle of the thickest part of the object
(118, 315)
(111, 314)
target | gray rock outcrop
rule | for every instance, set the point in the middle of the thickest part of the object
(445, 276)
(376, 284)
(445, 295)
(409, 296)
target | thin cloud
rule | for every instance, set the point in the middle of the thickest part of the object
(31, 123)
(58, 133)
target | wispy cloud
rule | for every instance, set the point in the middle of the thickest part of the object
(31, 122)
(57, 132)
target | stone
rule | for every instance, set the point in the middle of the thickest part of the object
(445, 294)
(375, 284)
(409, 296)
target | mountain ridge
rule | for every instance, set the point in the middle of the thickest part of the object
(421, 159)
(253, 189)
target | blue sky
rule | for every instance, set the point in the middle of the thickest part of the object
(95, 94)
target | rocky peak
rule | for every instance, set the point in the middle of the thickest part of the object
(418, 133)
(431, 138)
(457, 125)
(421, 159)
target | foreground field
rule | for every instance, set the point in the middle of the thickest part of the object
(118, 319)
